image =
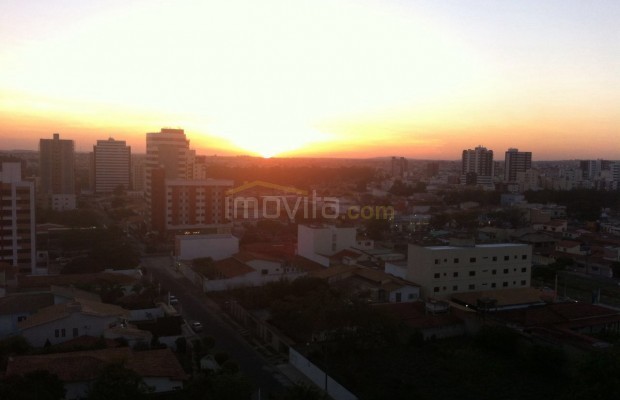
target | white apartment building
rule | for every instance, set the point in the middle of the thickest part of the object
(17, 218)
(112, 165)
(443, 270)
(318, 242)
(168, 156)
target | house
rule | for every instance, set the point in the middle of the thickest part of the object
(377, 285)
(44, 282)
(570, 247)
(61, 322)
(554, 226)
(159, 369)
(16, 308)
(252, 269)
(563, 324)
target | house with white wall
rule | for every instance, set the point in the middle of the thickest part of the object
(160, 370)
(251, 269)
(62, 322)
(318, 242)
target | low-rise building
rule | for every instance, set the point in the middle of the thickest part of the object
(160, 370)
(61, 322)
(444, 270)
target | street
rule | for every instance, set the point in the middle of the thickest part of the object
(195, 306)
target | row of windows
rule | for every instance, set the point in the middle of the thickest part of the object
(472, 286)
(62, 333)
(457, 260)
(455, 274)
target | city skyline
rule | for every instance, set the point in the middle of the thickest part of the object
(415, 79)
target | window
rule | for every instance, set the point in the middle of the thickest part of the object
(505, 284)
(494, 272)
(472, 259)
(264, 272)
(523, 269)
(506, 258)
(436, 289)
(523, 283)
(75, 332)
(410, 296)
(505, 270)
(524, 257)
(21, 318)
(455, 288)
(398, 297)
(472, 273)
(456, 260)
(515, 257)
(493, 284)
(436, 261)
(472, 287)
(56, 333)
(494, 258)
(62, 332)
(455, 274)
(436, 275)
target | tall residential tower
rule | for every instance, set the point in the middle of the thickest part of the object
(57, 173)
(112, 165)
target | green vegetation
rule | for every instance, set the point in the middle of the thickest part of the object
(37, 385)
(119, 383)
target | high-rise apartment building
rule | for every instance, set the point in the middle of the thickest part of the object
(516, 161)
(477, 166)
(399, 167)
(112, 165)
(17, 218)
(168, 156)
(137, 172)
(57, 173)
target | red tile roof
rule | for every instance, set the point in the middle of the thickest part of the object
(45, 281)
(84, 366)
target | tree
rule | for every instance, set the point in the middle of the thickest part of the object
(36, 385)
(118, 383)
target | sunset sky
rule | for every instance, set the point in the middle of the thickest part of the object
(358, 78)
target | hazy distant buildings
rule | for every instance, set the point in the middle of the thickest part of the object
(477, 167)
(516, 161)
(399, 167)
(17, 218)
(112, 165)
(138, 172)
(57, 173)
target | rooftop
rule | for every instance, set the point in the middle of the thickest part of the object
(83, 366)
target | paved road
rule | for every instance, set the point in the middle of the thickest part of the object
(194, 305)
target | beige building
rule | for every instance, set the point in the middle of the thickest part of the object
(443, 270)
